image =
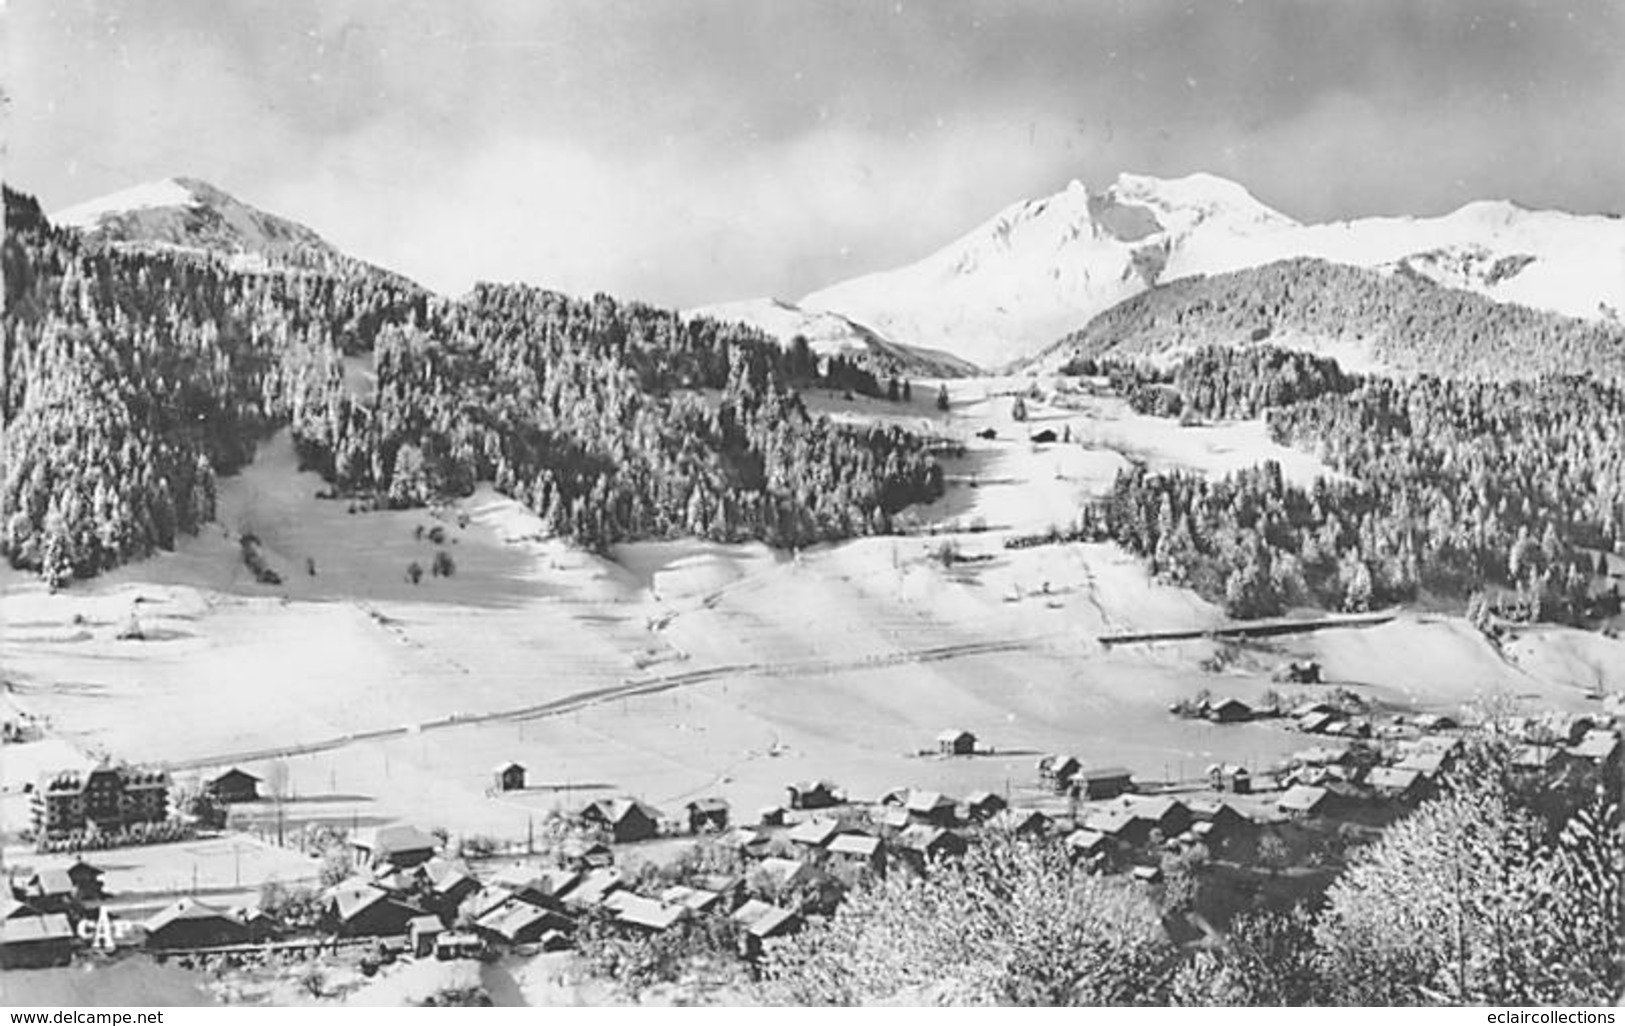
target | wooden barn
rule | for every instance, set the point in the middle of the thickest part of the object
(191, 924)
(234, 786)
(508, 776)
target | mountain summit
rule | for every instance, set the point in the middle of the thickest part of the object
(1042, 268)
(188, 214)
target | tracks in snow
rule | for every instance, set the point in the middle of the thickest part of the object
(635, 688)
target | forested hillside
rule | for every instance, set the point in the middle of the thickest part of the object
(134, 379)
(1498, 493)
(1401, 321)
(590, 413)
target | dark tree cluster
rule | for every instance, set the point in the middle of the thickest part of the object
(1499, 493)
(1408, 323)
(612, 421)
(133, 379)
(1220, 382)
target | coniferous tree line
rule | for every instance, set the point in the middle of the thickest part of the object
(1409, 324)
(1219, 382)
(134, 379)
(1496, 493)
(612, 421)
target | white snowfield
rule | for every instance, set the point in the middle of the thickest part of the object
(1041, 268)
(684, 668)
(146, 196)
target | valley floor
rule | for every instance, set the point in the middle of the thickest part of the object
(681, 669)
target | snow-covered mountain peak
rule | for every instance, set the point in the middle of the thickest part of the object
(166, 192)
(1195, 198)
(189, 214)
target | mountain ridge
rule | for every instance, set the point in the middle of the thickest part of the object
(1041, 268)
(187, 214)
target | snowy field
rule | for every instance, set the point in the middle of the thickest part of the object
(680, 669)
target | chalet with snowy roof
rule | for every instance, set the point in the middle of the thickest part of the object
(956, 742)
(190, 924)
(36, 941)
(260, 924)
(1322, 755)
(359, 909)
(1394, 784)
(593, 889)
(1087, 846)
(52, 890)
(508, 776)
(1540, 758)
(814, 833)
(897, 796)
(1022, 822)
(1159, 812)
(483, 901)
(234, 786)
(819, 794)
(1108, 782)
(1058, 770)
(1430, 761)
(1231, 778)
(643, 915)
(86, 880)
(1432, 722)
(772, 816)
(761, 922)
(1226, 817)
(423, 935)
(696, 900)
(108, 798)
(1229, 710)
(1117, 823)
(457, 944)
(921, 843)
(522, 881)
(77, 882)
(1300, 672)
(580, 854)
(781, 876)
(448, 881)
(751, 844)
(931, 807)
(857, 849)
(626, 819)
(1303, 802)
(13, 907)
(1316, 722)
(707, 815)
(392, 847)
(1599, 747)
(981, 806)
(892, 817)
(519, 923)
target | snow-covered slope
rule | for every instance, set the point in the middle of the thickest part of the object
(1545, 259)
(192, 215)
(1042, 268)
(830, 334)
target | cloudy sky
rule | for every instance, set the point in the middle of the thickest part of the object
(718, 149)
